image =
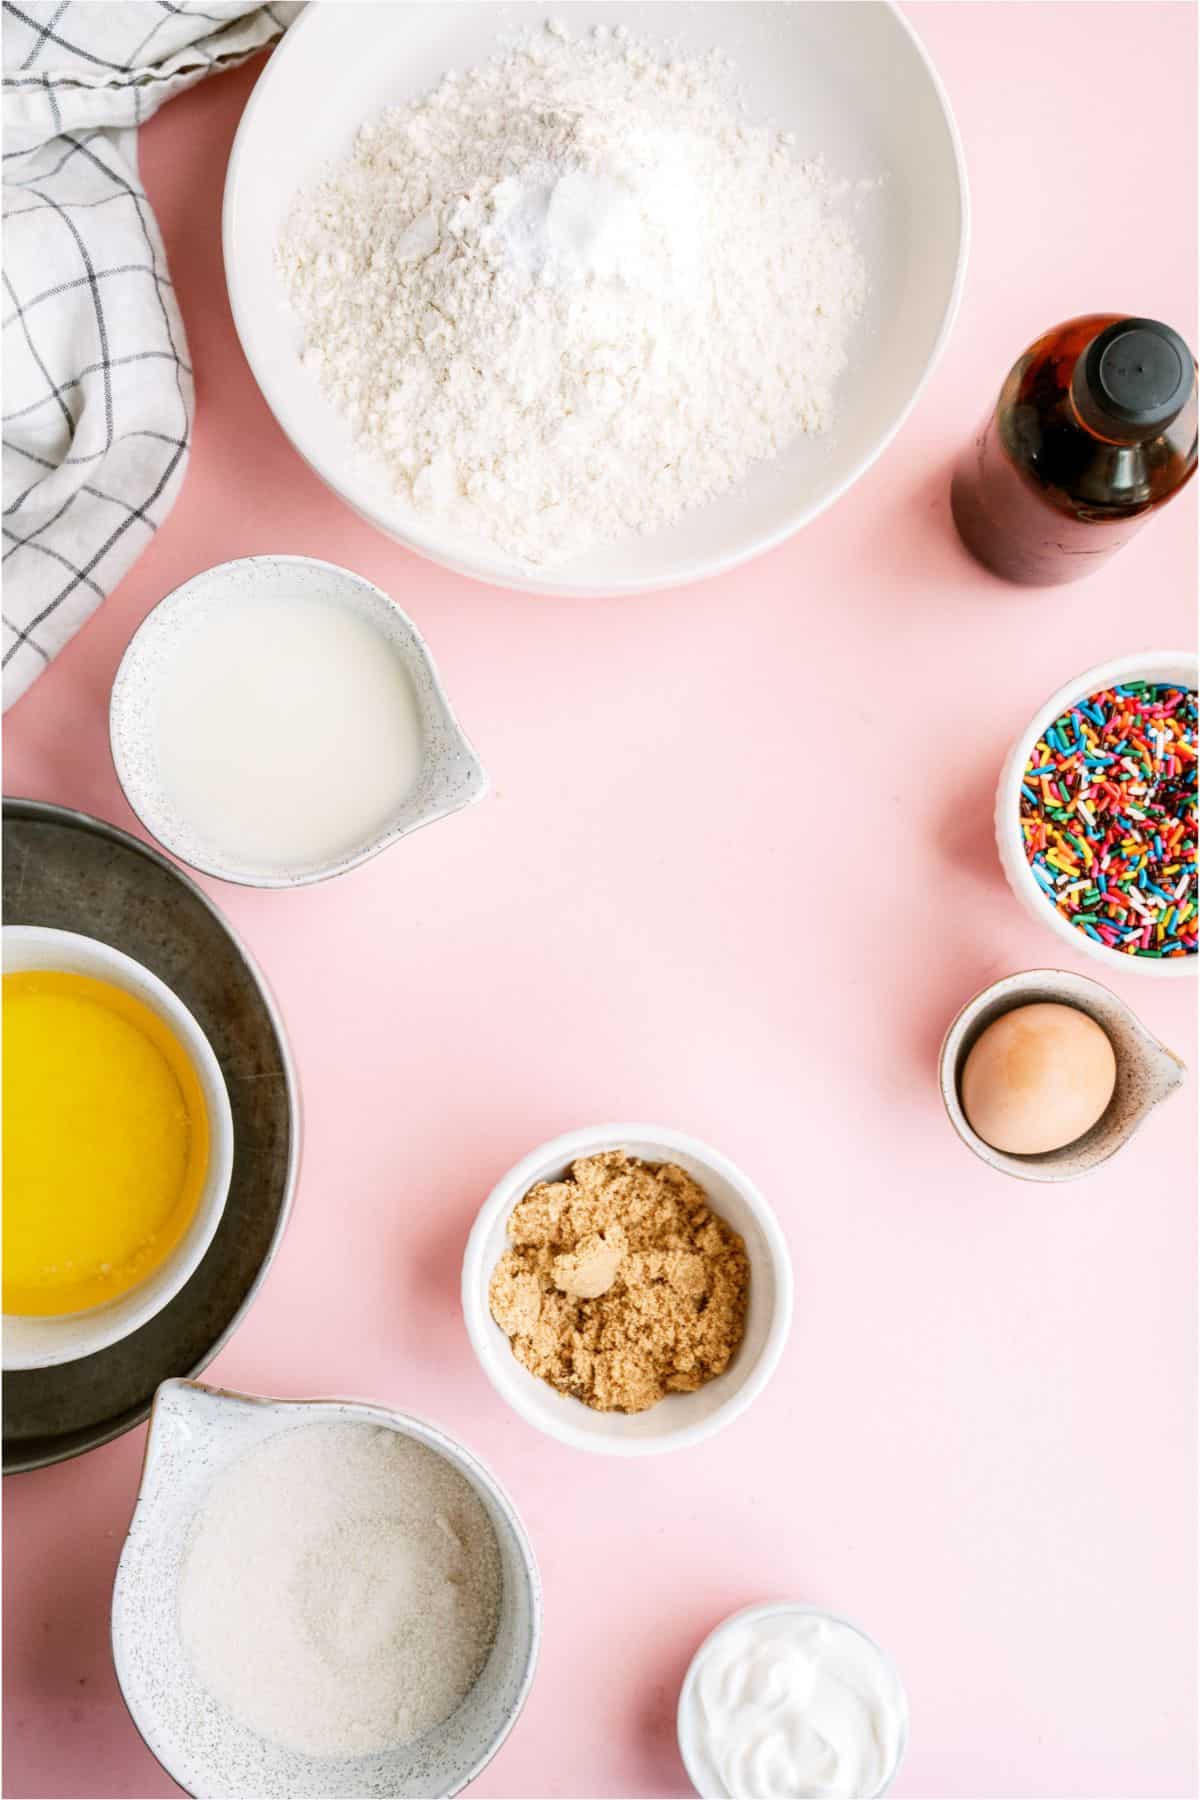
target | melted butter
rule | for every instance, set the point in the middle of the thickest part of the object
(105, 1142)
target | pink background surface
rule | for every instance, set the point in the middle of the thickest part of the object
(736, 876)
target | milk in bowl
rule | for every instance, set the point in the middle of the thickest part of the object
(278, 720)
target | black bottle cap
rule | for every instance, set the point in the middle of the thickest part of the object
(1139, 375)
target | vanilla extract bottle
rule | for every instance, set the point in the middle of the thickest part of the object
(1094, 431)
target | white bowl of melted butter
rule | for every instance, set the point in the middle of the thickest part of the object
(99, 1053)
(786, 1702)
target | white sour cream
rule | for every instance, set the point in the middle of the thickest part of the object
(786, 1704)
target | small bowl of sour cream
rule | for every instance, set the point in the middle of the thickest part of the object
(278, 720)
(787, 1699)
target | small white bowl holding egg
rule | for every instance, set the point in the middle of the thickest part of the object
(278, 720)
(1046, 1074)
(109, 1081)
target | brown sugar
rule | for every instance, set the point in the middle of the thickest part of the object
(622, 1285)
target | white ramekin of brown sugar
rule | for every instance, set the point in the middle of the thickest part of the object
(679, 1419)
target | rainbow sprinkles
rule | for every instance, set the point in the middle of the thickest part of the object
(1108, 817)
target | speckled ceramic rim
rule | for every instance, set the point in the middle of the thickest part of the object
(1070, 990)
(500, 572)
(1178, 666)
(51, 813)
(242, 877)
(477, 1270)
(80, 1335)
(769, 1610)
(408, 1424)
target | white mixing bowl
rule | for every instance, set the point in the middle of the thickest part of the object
(852, 83)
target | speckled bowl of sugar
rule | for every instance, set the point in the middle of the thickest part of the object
(319, 1598)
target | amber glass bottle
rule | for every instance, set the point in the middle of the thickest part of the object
(1095, 428)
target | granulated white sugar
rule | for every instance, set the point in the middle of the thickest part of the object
(341, 1589)
(572, 293)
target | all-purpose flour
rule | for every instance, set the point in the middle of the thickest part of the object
(570, 294)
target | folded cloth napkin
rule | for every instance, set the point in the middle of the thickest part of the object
(98, 391)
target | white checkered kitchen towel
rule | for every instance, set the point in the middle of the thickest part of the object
(97, 385)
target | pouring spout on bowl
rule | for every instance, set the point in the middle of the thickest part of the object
(1164, 1071)
(191, 1426)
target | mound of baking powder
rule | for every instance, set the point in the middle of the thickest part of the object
(570, 294)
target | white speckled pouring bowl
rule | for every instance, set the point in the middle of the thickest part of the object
(450, 777)
(1178, 667)
(679, 1420)
(1147, 1072)
(43, 1343)
(195, 1433)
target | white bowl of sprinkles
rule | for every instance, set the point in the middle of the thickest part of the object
(1175, 668)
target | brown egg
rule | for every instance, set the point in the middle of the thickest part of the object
(1037, 1078)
